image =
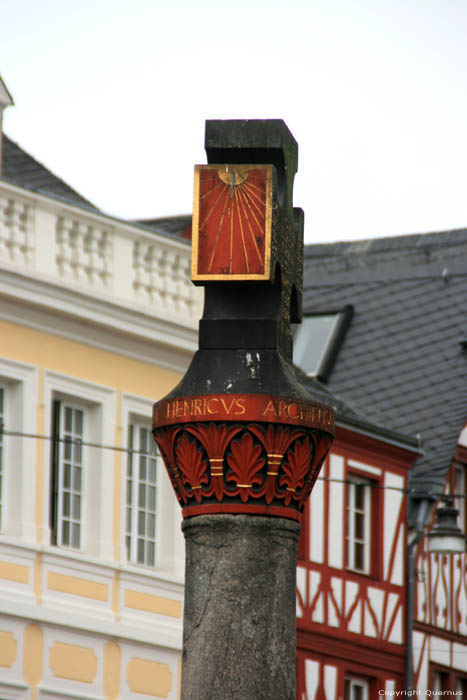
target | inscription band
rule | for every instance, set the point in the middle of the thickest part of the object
(243, 408)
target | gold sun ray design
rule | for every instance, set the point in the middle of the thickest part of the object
(232, 216)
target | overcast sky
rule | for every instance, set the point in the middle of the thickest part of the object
(112, 96)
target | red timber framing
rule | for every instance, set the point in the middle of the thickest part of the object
(350, 614)
(441, 590)
(440, 625)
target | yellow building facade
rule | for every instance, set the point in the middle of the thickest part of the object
(98, 320)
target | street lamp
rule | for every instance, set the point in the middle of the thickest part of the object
(444, 538)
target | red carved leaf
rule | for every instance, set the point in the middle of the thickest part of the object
(322, 447)
(165, 439)
(214, 437)
(296, 468)
(275, 439)
(245, 462)
(192, 465)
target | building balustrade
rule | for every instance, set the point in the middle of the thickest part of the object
(97, 255)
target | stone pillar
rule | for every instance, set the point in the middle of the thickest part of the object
(239, 618)
(241, 439)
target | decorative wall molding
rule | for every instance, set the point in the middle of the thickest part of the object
(69, 248)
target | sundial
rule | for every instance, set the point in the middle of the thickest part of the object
(232, 222)
(241, 439)
(240, 392)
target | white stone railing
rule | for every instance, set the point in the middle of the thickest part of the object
(96, 254)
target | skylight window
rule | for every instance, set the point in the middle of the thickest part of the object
(318, 340)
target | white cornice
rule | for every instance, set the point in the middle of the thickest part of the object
(58, 206)
(99, 323)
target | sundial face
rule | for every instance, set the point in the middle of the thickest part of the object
(232, 216)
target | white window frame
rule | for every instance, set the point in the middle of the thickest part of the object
(3, 445)
(440, 678)
(71, 454)
(99, 403)
(355, 481)
(170, 545)
(138, 488)
(352, 683)
(460, 486)
(20, 382)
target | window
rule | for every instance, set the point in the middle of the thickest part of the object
(2, 448)
(68, 456)
(460, 487)
(358, 524)
(141, 495)
(150, 514)
(440, 681)
(79, 513)
(18, 414)
(356, 689)
(318, 339)
(447, 680)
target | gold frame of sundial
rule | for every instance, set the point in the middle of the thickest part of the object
(232, 222)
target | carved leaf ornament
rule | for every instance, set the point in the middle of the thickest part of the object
(192, 465)
(296, 468)
(215, 439)
(253, 453)
(245, 461)
(252, 468)
(166, 442)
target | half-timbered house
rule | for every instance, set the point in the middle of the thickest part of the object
(385, 331)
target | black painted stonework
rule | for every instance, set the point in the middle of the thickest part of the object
(239, 616)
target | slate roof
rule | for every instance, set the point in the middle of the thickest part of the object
(401, 363)
(173, 226)
(20, 168)
(350, 416)
(23, 170)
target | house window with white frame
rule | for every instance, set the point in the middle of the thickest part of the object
(2, 454)
(68, 471)
(460, 490)
(358, 524)
(356, 689)
(18, 402)
(141, 495)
